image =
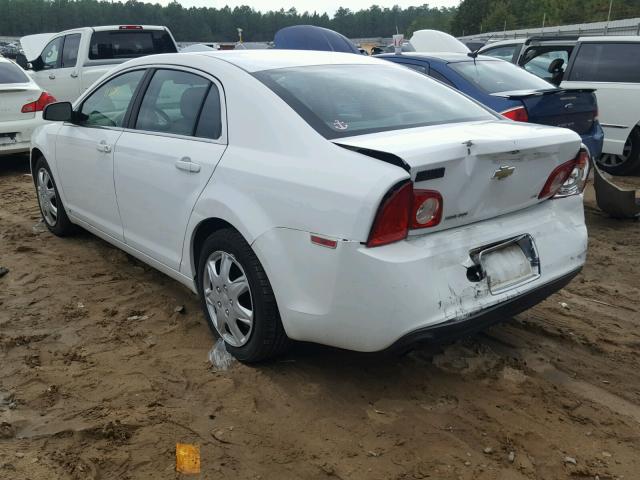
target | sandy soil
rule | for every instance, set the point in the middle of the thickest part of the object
(100, 377)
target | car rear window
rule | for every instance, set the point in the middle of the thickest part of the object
(607, 62)
(116, 44)
(346, 100)
(10, 73)
(495, 76)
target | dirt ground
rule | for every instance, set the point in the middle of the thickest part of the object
(100, 377)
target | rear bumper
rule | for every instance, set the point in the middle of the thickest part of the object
(20, 131)
(368, 299)
(594, 140)
(460, 327)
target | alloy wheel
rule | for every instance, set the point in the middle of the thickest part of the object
(611, 160)
(47, 197)
(228, 298)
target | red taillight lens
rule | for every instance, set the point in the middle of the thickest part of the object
(518, 114)
(392, 220)
(570, 178)
(130, 27)
(38, 106)
(427, 209)
(402, 209)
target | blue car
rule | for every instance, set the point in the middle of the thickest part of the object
(513, 92)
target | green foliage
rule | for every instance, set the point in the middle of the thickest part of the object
(477, 16)
(24, 17)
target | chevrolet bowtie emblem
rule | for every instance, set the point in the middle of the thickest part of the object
(503, 172)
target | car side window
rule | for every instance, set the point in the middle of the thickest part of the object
(50, 56)
(442, 78)
(210, 121)
(108, 104)
(504, 53)
(607, 62)
(172, 103)
(70, 50)
(417, 68)
(546, 63)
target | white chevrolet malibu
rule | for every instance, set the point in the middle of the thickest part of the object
(21, 105)
(324, 197)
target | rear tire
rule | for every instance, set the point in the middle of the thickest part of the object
(248, 322)
(626, 164)
(51, 208)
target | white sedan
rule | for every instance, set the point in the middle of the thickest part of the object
(324, 197)
(21, 105)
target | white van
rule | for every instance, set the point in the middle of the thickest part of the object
(611, 65)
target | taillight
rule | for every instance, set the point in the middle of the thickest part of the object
(567, 179)
(38, 106)
(392, 220)
(577, 179)
(130, 27)
(404, 208)
(427, 209)
(518, 114)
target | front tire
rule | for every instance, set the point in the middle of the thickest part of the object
(51, 207)
(627, 163)
(237, 298)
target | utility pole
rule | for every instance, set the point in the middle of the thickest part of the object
(505, 26)
(609, 16)
(544, 19)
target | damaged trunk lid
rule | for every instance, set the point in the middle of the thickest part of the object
(481, 169)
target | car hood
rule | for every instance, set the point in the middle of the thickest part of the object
(32, 45)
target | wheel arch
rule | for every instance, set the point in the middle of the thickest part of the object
(205, 228)
(36, 153)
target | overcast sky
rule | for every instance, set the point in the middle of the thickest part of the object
(321, 6)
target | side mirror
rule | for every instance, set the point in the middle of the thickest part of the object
(58, 112)
(22, 61)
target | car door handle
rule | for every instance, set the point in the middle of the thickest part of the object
(187, 165)
(103, 147)
(74, 75)
(52, 76)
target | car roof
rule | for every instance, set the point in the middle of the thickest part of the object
(443, 56)
(257, 60)
(512, 41)
(611, 39)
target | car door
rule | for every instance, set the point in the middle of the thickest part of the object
(56, 69)
(84, 153)
(608, 68)
(175, 139)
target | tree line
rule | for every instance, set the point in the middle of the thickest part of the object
(478, 16)
(24, 17)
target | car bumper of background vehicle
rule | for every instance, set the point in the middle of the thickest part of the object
(21, 134)
(594, 140)
(366, 299)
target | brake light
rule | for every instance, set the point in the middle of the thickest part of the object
(518, 114)
(577, 180)
(570, 178)
(38, 106)
(130, 27)
(404, 208)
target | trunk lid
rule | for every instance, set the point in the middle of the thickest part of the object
(575, 109)
(481, 169)
(13, 96)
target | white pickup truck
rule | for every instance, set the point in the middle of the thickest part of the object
(65, 64)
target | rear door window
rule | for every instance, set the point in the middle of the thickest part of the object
(173, 103)
(114, 44)
(607, 62)
(10, 73)
(70, 50)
